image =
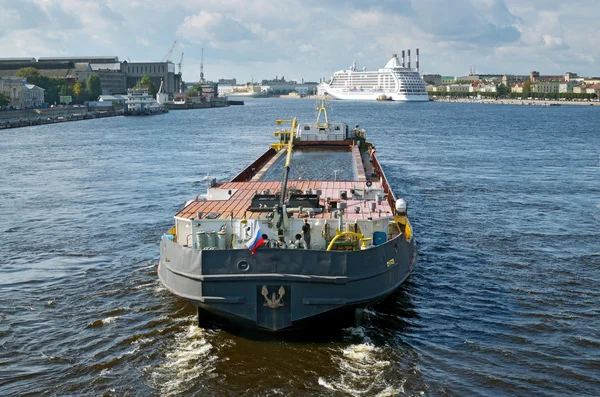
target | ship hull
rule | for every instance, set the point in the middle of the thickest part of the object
(284, 290)
(374, 96)
(246, 95)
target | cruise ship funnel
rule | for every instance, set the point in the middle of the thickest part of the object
(417, 59)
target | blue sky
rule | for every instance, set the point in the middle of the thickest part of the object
(311, 39)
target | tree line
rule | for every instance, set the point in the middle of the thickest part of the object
(505, 92)
(55, 87)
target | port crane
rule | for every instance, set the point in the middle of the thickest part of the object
(180, 74)
(202, 67)
(179, 64)
(167, 57)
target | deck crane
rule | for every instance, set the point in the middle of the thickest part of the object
(167, 57)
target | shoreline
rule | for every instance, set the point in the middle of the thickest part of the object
(524, 102)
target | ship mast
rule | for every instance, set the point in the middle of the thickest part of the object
(288, 158)
(322, 109)
(281, 209)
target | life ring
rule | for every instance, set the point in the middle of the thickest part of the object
(369, 183)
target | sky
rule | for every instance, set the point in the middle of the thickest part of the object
(310, 39)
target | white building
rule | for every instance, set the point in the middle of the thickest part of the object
(322, 89)
(458, 88)
(21, 94)
(33, 96)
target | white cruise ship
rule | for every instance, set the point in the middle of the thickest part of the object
(393, 82)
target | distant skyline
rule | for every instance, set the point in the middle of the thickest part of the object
(311, 39)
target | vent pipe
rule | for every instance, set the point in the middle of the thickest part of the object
(417, 59)
(402, 58)
(409, 59)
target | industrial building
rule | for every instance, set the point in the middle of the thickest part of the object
(115, 77)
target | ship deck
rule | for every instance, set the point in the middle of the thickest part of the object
(243, 191)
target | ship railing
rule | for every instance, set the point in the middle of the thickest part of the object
(384, 183)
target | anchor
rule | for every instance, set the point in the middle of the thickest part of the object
(275, 301)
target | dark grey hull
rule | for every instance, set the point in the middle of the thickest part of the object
(285, 289)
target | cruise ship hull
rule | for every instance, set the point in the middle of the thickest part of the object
(374, 96)
(316, 284)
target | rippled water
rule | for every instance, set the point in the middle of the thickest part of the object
(505, 201)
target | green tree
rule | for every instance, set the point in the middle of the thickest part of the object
(4, 99)
(78, 90)
(65, 90)
(52, 85)
(198, 89)
(31, 74)
(191, 93)
(502, 90)
(527, 87)
(94, 87)
(146, 83)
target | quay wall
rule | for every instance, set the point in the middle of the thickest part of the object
(526, 102)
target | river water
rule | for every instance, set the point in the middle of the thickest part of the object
(505, 299)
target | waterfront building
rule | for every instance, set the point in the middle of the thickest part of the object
(448, 79)
(434, 79)
(536, 77)
(570, 76)
(546, 87)
(480, 86)
(21, 93)
(95, 59)
(112, 78)
(593, 89)
(115, 77)
(567, 86)
(322, 89)
(60, 69)
(227, 82)
(518, 88)
(209, 89)
(511, 79)
(134, 72)
(109, 100)
(470, 77)
(579, 89)
(458, 88)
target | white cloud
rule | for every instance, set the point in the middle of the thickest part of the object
(307, 48)
(265, 38)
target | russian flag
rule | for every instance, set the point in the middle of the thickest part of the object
(256, 240)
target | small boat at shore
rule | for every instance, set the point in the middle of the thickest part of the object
(309, 233)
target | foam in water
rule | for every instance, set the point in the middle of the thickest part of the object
(109, 320)
(190, 357)
(360, 369)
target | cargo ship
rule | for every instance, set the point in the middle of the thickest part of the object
(309, 233)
